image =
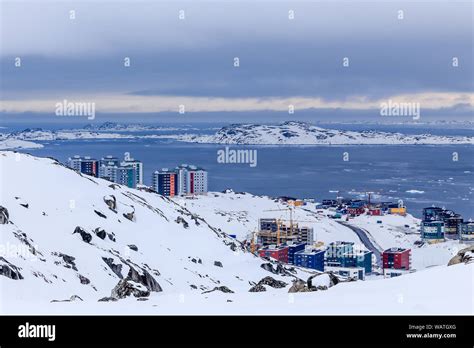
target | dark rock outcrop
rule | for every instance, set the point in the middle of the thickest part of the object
(180, 220)
(100, 233)
(257, 288)
(137, 283)
(116, 268)
(71, 299)
(4, 216)
(279, 269)
(145, 279)
(86, 237)
(465, 255)
(130, 216)
(9, 270)
(278, 284)
(222, 288)
(126, 287)
(218, 263)
(111, 202)
(102, 215)
(84, 280)
(133, 247)
(298, 286)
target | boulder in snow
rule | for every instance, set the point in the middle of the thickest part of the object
(86, 237)
(4, 216)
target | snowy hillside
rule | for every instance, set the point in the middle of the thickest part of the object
(300, 133)
(78, 244)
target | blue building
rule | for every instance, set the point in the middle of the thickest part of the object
(336, 250)
(84, 165)
(432, 230)
(343, 254)
(432, 213)
(358, 259)
(313, 259)
(292, 249)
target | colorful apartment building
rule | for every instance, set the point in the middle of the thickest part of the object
(127, 172)
(85, 165)
(396, 261)
(432, 230)
(279, 253)
(165, 182)
(310, 258)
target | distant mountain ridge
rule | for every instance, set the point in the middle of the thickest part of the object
(302, 133)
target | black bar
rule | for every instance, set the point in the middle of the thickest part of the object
(137, 331)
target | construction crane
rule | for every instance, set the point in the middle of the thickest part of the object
(291, 221)
(279, 222)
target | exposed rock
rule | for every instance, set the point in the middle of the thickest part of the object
(107, 299)
(278, 284)
(68, 260)
(465, 255)
(116, 268)
(111, 236)
(257, 288)
(102, 215)
(86, 237)
(84, 280)
(25, 205)
(9, 270)
(22, 237)
(133, 247)
(333, 280)
(299, 286)
(220, 288)
(4, 216)
(71, 299)
(145, 279)
(127, 287)
(111, 202)
(218, 263)
(130, 216)
(180, 220)
(279, 269)
(100, 233)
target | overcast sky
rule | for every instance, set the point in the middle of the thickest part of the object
(282, 61)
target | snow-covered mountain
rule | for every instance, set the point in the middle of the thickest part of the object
(68, 240)
(39, 134)
(301, 133)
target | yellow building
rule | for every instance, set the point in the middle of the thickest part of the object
(398, 211)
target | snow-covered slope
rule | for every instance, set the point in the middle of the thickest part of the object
(46, 202)
(178, 248)
(300, 133)
(10, 144)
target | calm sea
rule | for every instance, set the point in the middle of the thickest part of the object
(419, 175)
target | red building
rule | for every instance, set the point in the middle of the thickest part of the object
(397, 258)
(279, 253)
(375, 211)
(355, 211)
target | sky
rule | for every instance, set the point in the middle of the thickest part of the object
(282, 61)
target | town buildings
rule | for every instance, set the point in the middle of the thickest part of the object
(165, 182)
(127, 172)
(85, 165)
(396, 261)
(183, 180)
